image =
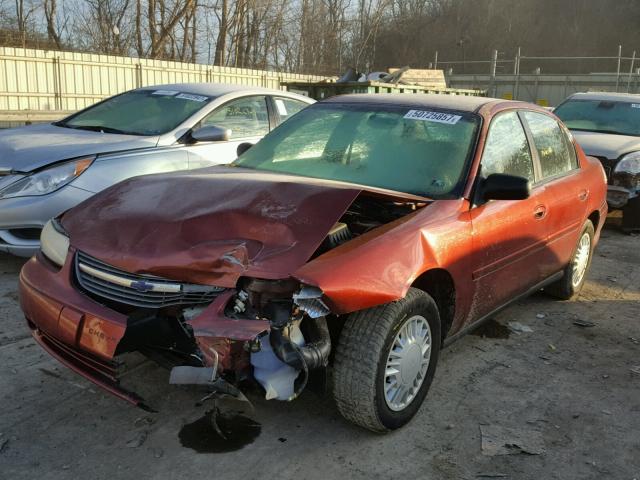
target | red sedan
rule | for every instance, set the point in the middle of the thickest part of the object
(361, 235)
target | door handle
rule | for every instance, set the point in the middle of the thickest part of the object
(583, 195)
(540, 212)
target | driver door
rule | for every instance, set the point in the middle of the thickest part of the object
(509, 236)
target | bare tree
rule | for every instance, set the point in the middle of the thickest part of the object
(326, 36)
(23, 13)
(54, 29)
(162, 19)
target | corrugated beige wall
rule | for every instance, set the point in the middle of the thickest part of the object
(51, 80)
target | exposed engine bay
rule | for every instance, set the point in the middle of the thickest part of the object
(287, 335)
(365, 214)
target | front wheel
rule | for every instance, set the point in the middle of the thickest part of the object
(385, 361)
(575, 272)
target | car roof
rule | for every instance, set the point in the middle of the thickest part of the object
(604, 96)
(462, 103)
(218, 89)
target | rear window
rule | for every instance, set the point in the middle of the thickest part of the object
(620, 118)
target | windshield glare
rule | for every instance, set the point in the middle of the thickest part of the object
(604, 116)
(423, 153)
(139, 112)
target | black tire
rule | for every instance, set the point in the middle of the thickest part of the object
(564, 288)
(361, 356)
(631, 216)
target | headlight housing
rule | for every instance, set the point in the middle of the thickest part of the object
(629, 163)
(54, 242)
(47, 180)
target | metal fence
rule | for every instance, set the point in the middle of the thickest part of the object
(547, 90)
(68, 81)
(499, 63)
(522, 77)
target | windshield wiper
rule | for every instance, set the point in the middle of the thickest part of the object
(98, 128)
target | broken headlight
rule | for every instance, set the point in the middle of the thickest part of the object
(54, 242)
(627, 171)
(630, 163)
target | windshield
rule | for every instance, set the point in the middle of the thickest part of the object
(139, 112)
(422, 152)
(603, 116)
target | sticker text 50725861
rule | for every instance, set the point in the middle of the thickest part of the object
(438, 117)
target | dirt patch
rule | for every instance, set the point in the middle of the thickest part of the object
(491, 328)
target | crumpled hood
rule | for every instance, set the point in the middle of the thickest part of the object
(605, 144)
(209, 226)
(27, 148)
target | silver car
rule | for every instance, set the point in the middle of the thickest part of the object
(607, 126)
(46, 169)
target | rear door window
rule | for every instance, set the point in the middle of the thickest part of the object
(507, 149)
(287, 107)
(555, 151)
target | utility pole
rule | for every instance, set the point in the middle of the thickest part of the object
(492, 80)
(516, 72)
(633, 60)
(618, 70)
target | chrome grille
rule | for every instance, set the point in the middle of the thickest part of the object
(107, 282)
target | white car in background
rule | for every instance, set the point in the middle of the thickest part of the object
(48, 168)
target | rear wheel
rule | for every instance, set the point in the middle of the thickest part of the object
(385, 361)
(575, 272)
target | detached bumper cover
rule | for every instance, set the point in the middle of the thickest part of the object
(79, 333)
(103, 374)
(84, 335)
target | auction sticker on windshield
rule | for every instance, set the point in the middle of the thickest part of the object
(166, 93)
(195, 98)
(439, 117)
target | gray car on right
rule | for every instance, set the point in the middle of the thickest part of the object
(607, 126)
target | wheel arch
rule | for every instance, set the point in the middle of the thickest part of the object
(439, 284)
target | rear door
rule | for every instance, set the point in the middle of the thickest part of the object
(509, 236)
(565, 194)
(248, 119)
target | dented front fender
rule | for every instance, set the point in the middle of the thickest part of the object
(380, 266)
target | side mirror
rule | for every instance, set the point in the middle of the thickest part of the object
(500, 186)
(211, 134)
(243, 147)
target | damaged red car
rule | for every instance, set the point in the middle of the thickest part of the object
(357, 238)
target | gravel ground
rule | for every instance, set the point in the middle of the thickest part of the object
(564, 393)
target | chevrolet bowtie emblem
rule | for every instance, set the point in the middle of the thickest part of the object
(141, 286)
